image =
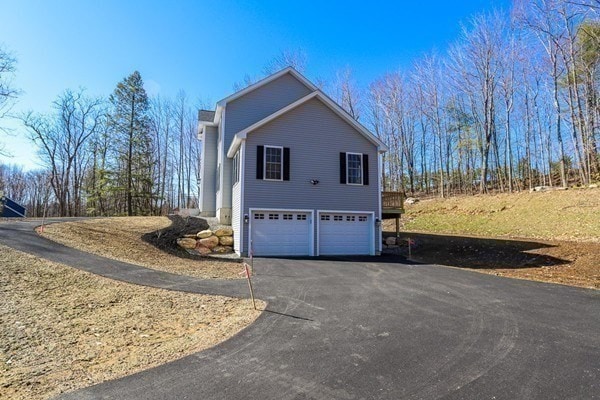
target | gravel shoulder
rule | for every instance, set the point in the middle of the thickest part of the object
(64, 329)
(143, 241)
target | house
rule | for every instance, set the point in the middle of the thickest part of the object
(291, 171)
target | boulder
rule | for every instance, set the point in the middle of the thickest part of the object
(390, 240)
(203, 250)
(223, 249)
(541, 188)
(226, 240)
(190, 236)
(186, 243)
(210, 242)
(204, 234)
(226, 231)
(593, 185)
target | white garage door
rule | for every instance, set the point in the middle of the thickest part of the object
(345, 234)
(280, 233)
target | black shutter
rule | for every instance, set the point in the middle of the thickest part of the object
(260, 160)
(365, 165)
(343, 168)
(286, 163)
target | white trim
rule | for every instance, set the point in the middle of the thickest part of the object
(293, 210)
(263, 82)
(265, 163)
(372, 235)
(362, 178)
(380, 191)
(235, 167)
(381, 147)
(241, 182)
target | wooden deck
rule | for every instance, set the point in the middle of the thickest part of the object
(392, 204)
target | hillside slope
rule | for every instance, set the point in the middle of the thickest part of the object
(572, 215)
(549, 236)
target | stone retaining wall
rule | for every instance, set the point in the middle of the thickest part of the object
(208, 242)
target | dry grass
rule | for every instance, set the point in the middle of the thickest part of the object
(119, 238)
(570, 215)
(565, 223)
(63, 329)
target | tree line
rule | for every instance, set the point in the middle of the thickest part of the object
(512, 104)
(125, 155)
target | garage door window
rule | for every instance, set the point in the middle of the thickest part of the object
(273, 216)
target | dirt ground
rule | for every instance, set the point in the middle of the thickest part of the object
(63, 329)
(568, 263)
(145, 241)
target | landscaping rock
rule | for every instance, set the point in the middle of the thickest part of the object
(223, 249)
(411, 200)
(190, 236)
(226, 240)
(390, 240)
(210, 242)
(593, 185)
(224, 232)
(204, 234)
(203, 250)
(186, 243)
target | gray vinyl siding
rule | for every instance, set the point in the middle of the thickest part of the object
(208, 201)
(260, 103)
(315, 136)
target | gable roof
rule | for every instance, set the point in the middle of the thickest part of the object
(264, 81)
(221, 103)
(317, 94)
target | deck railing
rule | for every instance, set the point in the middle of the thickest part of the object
(392, 200)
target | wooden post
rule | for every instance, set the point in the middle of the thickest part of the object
(246, 269)
(397, 226)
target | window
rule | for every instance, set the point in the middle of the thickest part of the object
(259, 216)
(301, 217)
(338, 218)
(350, 218)
(273, 163)
(362, 218)
(236, 168)
(273, 216)
(218, 184)
(354, 167)
(324, 217)
(288, 216)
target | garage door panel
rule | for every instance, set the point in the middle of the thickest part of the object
(344, 234)
(280, 233)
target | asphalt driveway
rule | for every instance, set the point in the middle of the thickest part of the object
(369, 329)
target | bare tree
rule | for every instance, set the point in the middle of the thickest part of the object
(62, 138)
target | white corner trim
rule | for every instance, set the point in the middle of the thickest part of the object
(242, 168)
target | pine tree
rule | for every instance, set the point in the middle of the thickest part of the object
(130, 124)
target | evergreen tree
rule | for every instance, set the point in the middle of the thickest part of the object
(129, 122)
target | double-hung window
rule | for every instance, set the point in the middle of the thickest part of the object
(354, 169)
(273, 163)
(354, 175)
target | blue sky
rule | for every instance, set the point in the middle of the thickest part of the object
(205, 47)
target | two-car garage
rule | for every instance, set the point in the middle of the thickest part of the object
(293, 233)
